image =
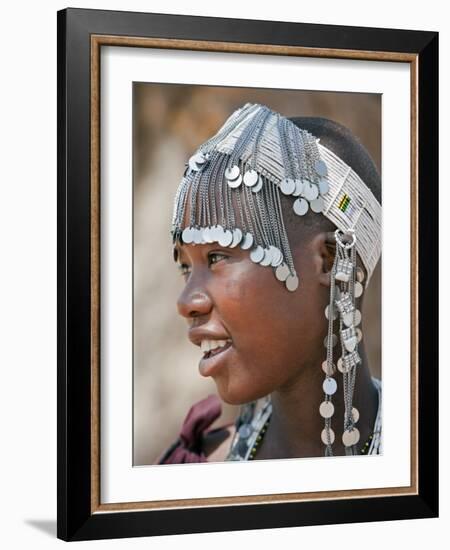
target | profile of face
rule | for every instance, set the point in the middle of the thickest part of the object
(272, 336)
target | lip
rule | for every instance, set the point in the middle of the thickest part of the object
(210, 365)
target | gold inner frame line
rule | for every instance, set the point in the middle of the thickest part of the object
(97, 41)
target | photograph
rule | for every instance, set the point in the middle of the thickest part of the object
(257, 230)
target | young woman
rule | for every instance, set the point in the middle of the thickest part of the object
(276, 227)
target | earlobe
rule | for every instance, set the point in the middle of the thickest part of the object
(325, 279)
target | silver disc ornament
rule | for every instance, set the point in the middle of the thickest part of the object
(287, 186)
(232, 172)
(247, 241)
(282, 272)
(277, 256)
(237, 237)
(207, 234)
(267, 260)
(300, 207)
(321, 168)
(350, 437)
(323, 186)
(187, 235)
(298, 188)
(324, 438)
(226, 238)
(326, 409)
(234, 184)
(197, 236)
(310, 191)
(291, 282)
(216, 233)
(317, 205)
(329, 386)
(358, 289)
(256, 188)
(257, 254)
(251, 178)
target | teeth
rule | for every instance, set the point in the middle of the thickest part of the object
(208, 345)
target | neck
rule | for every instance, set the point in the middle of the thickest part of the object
(296, 424)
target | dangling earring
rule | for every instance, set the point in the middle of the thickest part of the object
(344, 288)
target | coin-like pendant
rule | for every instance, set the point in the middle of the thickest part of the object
(323, 186)
(217, 232)
(321, 168)
(251, 178)
(333, 341)
(311, 192)
(317, 205)
(326, 408)
(196, 236)
(226, 238)
(282, 272)
(328, 369)
(355, 414)
(237, 237)
(335, 313)
(323, 436)
(206, 232)
(267, 259)
(256, 188)
(232, 172)
(350, 437)
(348, 319)
(300, 207)
(247, 241)
(287, 186)
(187, 235)
(257, 254)
(358, 289)
(291, 282)
(277, 256)
(340, 366)
(298, 188)
(234, 184)
(329, 386)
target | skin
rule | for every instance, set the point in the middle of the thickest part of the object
(277, 342)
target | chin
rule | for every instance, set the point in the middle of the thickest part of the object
(237, 394)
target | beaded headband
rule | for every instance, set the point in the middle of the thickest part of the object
(235, 179)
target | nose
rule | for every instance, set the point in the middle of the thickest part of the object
(193, 301)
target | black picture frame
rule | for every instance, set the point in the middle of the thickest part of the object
(79, 517)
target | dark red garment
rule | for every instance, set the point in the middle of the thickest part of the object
(188, 446)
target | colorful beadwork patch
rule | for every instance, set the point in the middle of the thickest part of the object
(344, 202)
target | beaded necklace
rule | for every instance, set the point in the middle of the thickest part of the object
(260, 437)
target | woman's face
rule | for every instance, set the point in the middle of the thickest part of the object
(271, 334)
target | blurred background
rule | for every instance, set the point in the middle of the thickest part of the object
(169, 123)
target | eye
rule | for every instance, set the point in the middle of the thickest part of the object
(215, 257)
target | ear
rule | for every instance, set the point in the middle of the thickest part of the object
(323, 252)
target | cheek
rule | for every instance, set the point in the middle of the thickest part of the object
(266, 323)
